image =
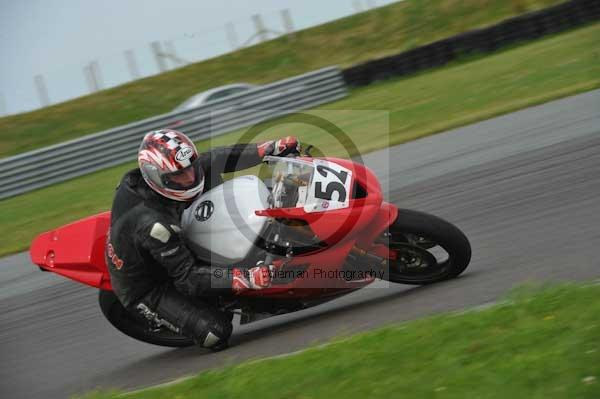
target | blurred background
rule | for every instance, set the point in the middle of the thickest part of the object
(62, 49)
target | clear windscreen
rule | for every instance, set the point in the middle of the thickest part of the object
(290, 179)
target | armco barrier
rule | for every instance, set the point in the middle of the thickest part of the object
(60, 162)
(524, 27)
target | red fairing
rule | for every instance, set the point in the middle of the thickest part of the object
(333, 226)
(76, 251)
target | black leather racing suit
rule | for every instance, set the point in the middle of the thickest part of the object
(152, 270)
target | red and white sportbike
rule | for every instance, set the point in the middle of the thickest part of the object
(321, 221)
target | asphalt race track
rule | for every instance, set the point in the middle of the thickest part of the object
(524, 187)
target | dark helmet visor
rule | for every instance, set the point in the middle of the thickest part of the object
(183, 179)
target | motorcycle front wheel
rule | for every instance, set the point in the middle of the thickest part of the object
(427, 249)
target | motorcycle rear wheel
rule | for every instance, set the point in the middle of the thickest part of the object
(138, 328)
(415, 237)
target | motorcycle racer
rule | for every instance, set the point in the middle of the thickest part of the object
(153, 272)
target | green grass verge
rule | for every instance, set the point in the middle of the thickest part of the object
(538, 344)
(344, 42)
(420, 105)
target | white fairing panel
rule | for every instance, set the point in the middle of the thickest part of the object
(221, 224)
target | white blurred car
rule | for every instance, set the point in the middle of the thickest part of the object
(215, 94)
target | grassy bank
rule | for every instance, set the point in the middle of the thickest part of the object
(431, 102)
(537, 344)
(344, 42)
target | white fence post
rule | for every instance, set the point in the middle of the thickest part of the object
(42, 91)
(2, 105)
(95, 69)
(232, 36)
(288, 23)
(91, 77)
(159, 56)
(132, 64)
(261, 31)
(171, 53)
(88, 78)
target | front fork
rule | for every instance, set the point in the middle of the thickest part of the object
(367, 243)
(367, 249)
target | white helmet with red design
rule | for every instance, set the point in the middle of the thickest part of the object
(167, 162)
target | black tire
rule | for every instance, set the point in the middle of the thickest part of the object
(138, 328)
(413, 233)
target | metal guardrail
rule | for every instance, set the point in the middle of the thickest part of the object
(46, 166)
